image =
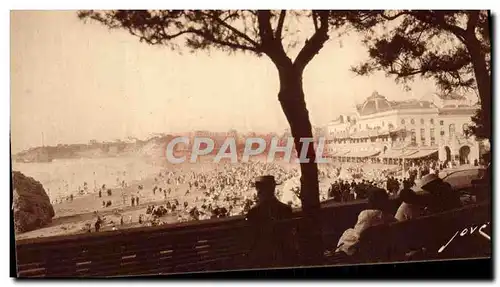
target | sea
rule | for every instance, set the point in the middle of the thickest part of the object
(63, 177)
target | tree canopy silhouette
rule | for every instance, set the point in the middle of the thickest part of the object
(259, 32)
(451, 47)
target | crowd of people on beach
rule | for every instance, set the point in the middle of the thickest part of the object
(224, 191)
(184, 195)
(227, 189)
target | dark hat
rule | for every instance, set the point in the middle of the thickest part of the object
(411, 197)
(266, 179)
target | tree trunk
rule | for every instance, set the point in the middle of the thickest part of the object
(291, 97)
(483, 81)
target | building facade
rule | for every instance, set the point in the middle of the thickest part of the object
(388, 131)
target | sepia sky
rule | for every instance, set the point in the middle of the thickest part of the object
(77, 81)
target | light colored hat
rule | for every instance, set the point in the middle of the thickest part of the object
(420, 184)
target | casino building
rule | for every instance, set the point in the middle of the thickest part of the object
(386, 131)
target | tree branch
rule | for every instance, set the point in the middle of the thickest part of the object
(312, 46)
(434, 18)
(151, 39)
(395, 16)
(279, 28)
(400, 74)
(234, 30)
(420, 35)
(431, 18)
(472, 22)
(272, 46)
(265, 29)
(212, 39)
(315, 21)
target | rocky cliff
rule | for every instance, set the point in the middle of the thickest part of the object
(31, 204)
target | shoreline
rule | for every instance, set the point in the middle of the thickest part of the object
(73, 217)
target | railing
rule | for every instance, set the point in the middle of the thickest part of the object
(148, 250)
(191, 246)
(439, 236)
(218, 244)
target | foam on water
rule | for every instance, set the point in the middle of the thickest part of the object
(63, 177)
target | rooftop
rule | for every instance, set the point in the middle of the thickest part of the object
(412, 104)
(377, 103)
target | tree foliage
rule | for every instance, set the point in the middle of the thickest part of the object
(453, 48)
(401, 43)
(260, 32)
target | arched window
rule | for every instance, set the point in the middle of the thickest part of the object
(412, 121)
(432, 121)
(422, 121)
(413, 136)
(403, 121)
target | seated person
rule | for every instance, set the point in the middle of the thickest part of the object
(413, 205)
(376, 214)
(430, 195)
(437, 194)
(482, 186)
(270, 244)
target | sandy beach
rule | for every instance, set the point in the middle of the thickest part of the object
(139, 181)
(75, 216)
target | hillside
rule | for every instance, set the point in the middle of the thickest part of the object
(152, 147)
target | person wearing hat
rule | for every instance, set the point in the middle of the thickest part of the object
(437, 195)
(270, 242)
(268, 206)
